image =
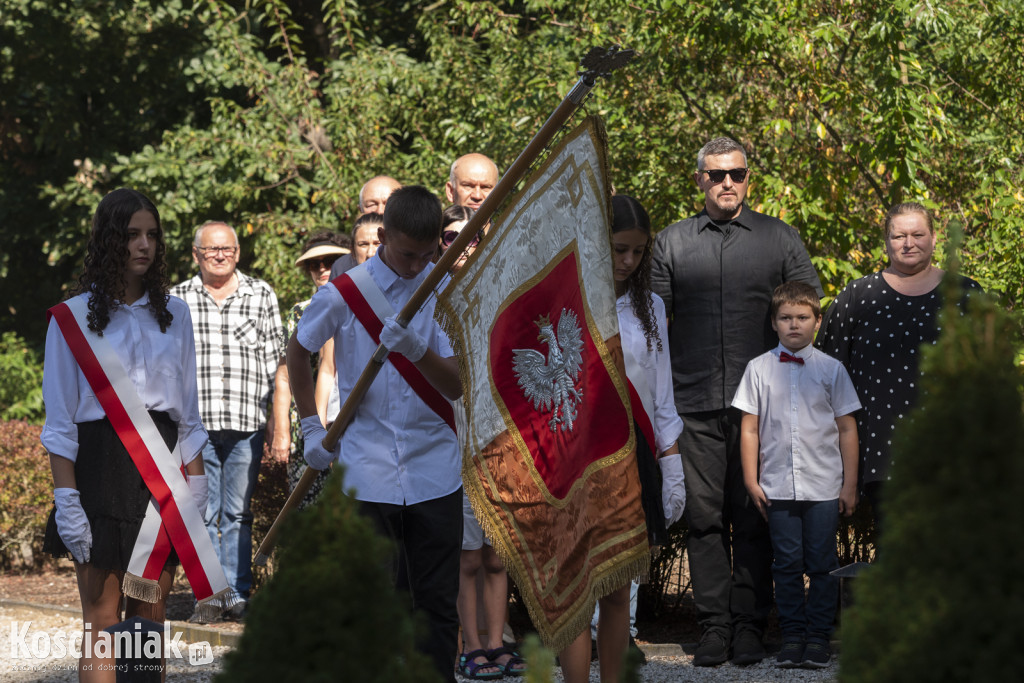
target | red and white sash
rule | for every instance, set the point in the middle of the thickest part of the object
(172, 518)
(371, 308)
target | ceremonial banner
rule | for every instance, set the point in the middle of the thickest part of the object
(546, 432)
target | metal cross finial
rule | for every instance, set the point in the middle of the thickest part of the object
(601, 61)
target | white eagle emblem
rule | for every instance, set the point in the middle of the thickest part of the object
(550, 383)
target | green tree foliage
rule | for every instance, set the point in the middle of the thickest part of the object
(21, 389)
(80, 82)
(277, 110)
(942, 603)
(331, 562)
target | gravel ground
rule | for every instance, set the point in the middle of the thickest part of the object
(665, 663)
(673, 668)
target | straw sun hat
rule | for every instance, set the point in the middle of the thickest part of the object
(320, 249)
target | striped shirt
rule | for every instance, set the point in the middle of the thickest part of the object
(238, 346)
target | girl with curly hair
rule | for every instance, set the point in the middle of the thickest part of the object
(100, 495)
(644, 333)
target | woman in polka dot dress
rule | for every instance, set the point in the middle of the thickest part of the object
(876, 327)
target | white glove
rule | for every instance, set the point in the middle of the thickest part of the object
(402, 340)
(200, 488)
(72, 524)
(673, 489)
(313, 433)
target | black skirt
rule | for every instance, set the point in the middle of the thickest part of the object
(650, 490)
(113, 494)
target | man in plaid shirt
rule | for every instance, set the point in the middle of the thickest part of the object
(238, 337)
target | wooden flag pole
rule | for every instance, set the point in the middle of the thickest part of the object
(597, 62)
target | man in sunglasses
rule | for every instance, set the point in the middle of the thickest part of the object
(239, 342)
(716, 272)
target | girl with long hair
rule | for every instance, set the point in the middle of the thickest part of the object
(644, 333)
(100, 496)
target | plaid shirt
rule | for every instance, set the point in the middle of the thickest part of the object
(237, 351)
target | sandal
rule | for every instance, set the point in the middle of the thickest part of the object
(471, 669)
(515, 666)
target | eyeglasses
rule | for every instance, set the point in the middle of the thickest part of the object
(226, 252)
(317, 264)
(449, 236)
(717, 175)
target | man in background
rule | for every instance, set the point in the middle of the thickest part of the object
(471, 179)
(716, 272)
(238, 337)
(373, 197)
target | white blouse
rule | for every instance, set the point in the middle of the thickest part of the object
(161, 366)
(655, 368)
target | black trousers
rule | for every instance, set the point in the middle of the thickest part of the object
(429, 536)
(729, 546)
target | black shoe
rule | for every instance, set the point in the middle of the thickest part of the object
(816, 655)
(713, 649)
(791, 656)
(196, 618)
(236, 612)
(635, 653)
(747, 648)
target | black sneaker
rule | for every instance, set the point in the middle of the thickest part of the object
(747, 648)
(790, 656)
(713, 649)
(816, 655)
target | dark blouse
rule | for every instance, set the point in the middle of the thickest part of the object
(876, 332)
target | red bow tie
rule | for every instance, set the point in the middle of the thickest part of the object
(786, 358)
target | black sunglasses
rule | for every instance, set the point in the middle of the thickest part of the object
(717, 175)
(325, 262)
(449, 236)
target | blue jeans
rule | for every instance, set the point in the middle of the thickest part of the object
(232, 461)
(804, 540)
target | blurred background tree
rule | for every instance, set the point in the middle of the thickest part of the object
(270, 114)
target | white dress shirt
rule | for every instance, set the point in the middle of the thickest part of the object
(396, 449)
(797, 406)
(161, 366)
(656, 368)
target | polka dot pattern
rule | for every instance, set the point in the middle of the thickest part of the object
(876, 332)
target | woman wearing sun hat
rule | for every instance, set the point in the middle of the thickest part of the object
(321, 250)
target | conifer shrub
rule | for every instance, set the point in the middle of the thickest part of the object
(329, 612)
(943, 602)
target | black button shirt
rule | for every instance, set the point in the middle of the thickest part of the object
(717, 282)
